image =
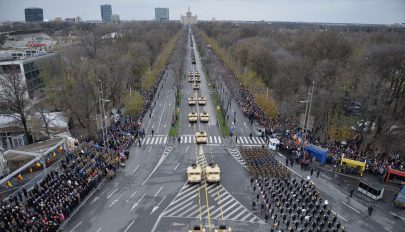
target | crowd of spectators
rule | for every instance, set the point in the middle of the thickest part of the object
(48, 203)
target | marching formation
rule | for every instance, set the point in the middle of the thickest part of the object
(262, 163)
(293, 205)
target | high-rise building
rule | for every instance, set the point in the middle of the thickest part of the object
(162, 14)
(188, 18)
(106, 12)
(34, 14)
(115, 18)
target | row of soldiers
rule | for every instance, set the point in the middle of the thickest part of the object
(262, 163)
(293, 205)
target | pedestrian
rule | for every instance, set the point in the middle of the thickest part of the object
(179, 139)
(236, 139)
(370, 210)
(317, 173)
(312, 170)
(139, 142)
(351, 192)
(250, 135)
(286, 162)
(153, 132)
(251, 181)
(266, 217)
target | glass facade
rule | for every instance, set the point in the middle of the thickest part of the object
(34, 15)
(106, 12)
(161, 14)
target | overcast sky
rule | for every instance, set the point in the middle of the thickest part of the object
(336, 11)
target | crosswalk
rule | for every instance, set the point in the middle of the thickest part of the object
(191, 139)
(221, 205)
(236, 155)
(249, 140)
(149, 140)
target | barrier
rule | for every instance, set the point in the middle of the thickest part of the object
(375, 192)
(320, 154)
(359, 166)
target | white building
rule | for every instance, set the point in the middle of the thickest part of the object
(188, 19)
(115, 18)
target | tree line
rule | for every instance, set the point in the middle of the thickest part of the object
(358, 73)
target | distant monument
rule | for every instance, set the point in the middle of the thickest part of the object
(188, 19)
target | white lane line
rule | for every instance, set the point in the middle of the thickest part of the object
(158, 191)
(129, 226)
(99, 229)
(244, 123)
(351, 207)
(133, 194)
(112, 193)
(219, 139)
(187, 148)
(215, 139)
(165, 140)
(78, 224)
(150, 149)
(176, 166)
(136, 169)
(242, 130)
(342, 217)
(387, 229)
(137, 203)
(115, 201)
(147, 140)
(161, 116)
(210, 139)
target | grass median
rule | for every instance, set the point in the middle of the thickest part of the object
(223, 126)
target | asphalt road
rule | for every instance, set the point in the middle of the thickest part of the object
(151, 192)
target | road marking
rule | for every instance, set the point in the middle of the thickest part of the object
(157, 206)
(387, 229)
(241, 129)
(158, 191)
(94, 200)
(129, 226)
(78, 224)
(244, 123)
(162, 158)
(341, 217)
(161, 116)
(219, 139)
(137, 203)
(187, 148)
(165, 140)
(112, 193)
(99, 229)
(133, 194)
(136, 169)
(176, 166)
(215, 139)
(115, 201)
(350, 207)
(147, 140)
(150, 149)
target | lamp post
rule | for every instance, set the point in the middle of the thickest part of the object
(308, 103)
(102, 112)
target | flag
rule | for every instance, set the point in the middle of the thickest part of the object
(19, 177)
(9, 184)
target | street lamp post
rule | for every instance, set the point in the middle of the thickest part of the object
(102, 113)
(308, 105)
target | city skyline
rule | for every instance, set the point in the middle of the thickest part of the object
(343, 11)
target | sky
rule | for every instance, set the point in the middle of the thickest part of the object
(333, 11)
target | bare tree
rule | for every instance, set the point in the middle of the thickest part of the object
(14, 98)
